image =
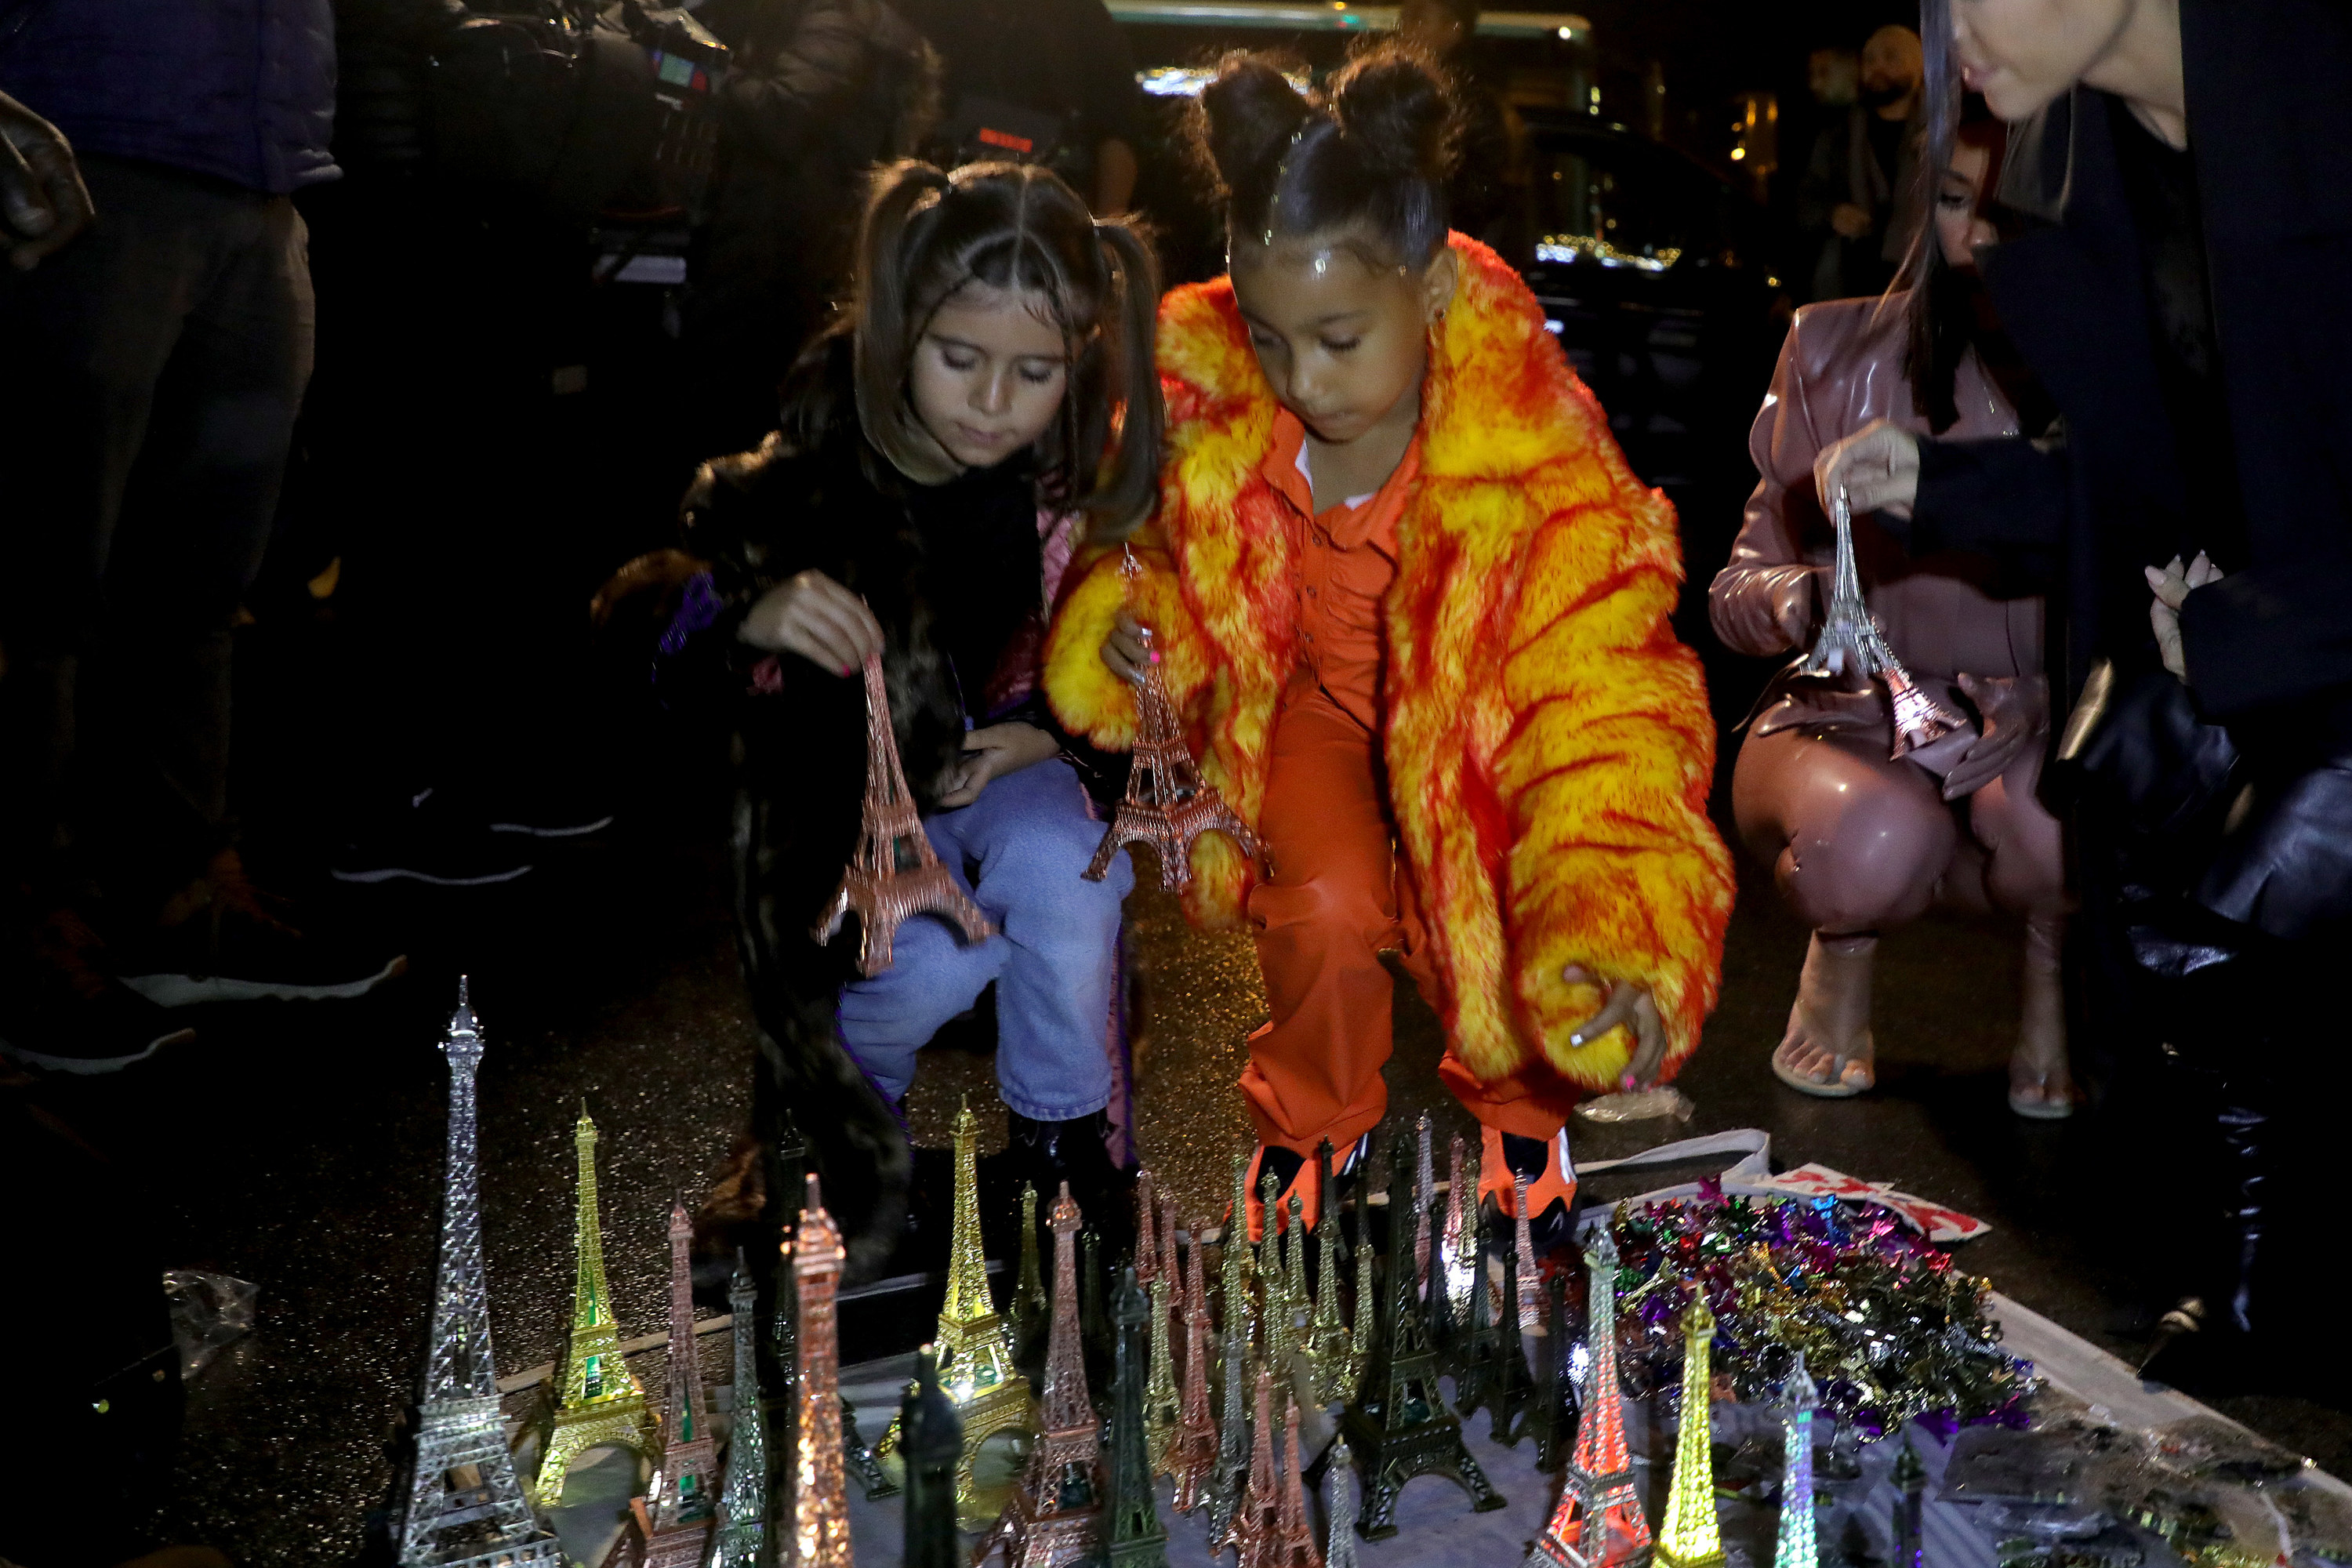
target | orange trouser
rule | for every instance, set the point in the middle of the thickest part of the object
(1334, 899)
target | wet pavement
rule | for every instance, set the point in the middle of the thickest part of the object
(300, 1147)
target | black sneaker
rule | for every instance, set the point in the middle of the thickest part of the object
(425, 841)
(234, 948)
(62, 1011)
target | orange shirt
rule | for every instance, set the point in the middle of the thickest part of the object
(1348, 561)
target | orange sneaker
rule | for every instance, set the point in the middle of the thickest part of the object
(1551, 1179)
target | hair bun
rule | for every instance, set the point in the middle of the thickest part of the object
(1395, 109)
(1251, 111)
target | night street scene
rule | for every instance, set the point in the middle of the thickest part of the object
(801, 783)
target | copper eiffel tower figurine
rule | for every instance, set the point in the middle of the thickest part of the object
(1168, 802)
(1251, 1529)
(820, 1484)
(892, 874)
(685, 1499)
(1192, 1454)
(1055, 1514)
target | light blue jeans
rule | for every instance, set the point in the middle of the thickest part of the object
(1018, 850)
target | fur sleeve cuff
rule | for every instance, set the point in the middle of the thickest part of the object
(1088, 698)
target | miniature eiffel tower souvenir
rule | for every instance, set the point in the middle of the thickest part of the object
(1233, 1437)
(1599, 1521)
(1849, 648)
(1233, 1271)
(1147, 1212)
(742, 1539)
(1193, 1454)
(1474, 1384)
(1340, 1506)
(685, 1497)
(1296, 1300)
(602, 1403)
(893, 874)
(975, 1346)
(1424, 1196)
(1524, 1249)
(931, 1442)
(466, 1508)
(1168, 1254)
(1460, 1237)
(1437, 1316)
(1363, 1328)
(1169, 804)
(1551, 1416)
(1691, 1537)
(1796, 1546)
(1031, 1310)
(820, 1484)
(1400, 1421)
(1513, 1393)
(1910, 1477)
(1328, 1350)
(1277, 1338)
(1133, 1537)
(863, 1462)
(1055, 1512)
(1293, 1533)
(1163, 1407)
(1247, 1533)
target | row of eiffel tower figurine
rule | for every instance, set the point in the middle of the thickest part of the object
(1427, 1305)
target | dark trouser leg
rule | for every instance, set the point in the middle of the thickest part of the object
(196, 518)
(88, 334)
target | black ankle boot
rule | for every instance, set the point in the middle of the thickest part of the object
(2212, 1338)
(1045, 1154)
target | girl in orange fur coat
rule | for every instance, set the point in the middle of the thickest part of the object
(1412, 606)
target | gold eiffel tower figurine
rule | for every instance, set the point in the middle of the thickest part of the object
(1691, 1537)
(1168, 802)
(975, 1345)
(892, 873)
(1163, 1407)
(602, 1403)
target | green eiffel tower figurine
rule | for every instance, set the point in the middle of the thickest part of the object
(1133, 1535)
(930, 1438)
(1511, 1393)
(602, 1403)
(1399, 1422)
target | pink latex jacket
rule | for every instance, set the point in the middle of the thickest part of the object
(1841, 368)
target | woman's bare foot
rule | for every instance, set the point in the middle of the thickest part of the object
(2040, 1086)
(1828, 1050)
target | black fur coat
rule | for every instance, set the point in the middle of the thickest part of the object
(952, 573)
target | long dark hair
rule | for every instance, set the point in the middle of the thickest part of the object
(1371, 151)
(1942, 305)
(930, 234)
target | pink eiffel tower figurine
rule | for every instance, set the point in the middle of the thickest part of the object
(1168, 802)
(892, 874)
(1293, 1533)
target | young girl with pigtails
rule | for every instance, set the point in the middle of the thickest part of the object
(1412, 606)
(990, 399)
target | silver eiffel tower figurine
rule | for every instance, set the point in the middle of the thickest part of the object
(1851, 649)
(465, 1505)
(742, 1539)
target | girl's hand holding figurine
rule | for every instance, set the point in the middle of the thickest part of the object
(817, 618)
(1128, 650)
(992, 753)
(2171, 585)
(1626, 1003)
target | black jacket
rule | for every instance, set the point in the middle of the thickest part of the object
(2273, 152)
(952, 573)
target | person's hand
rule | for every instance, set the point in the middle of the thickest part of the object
(1851, 220)
(43, 203)
(991, 754)
(1878, 464)
(661, 573)
(817, 618)
(2171, 585)
(2016, 713)
(1629, 1004)
(1127, 650)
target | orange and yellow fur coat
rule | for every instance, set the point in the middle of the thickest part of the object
(1548, 740)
